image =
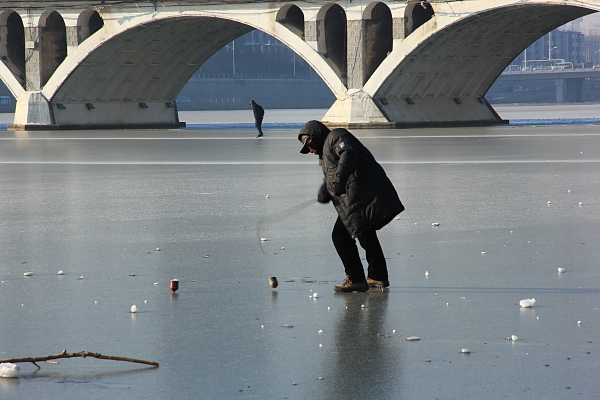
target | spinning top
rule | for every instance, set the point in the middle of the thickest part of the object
(174, 285)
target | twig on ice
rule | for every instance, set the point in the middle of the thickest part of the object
(83, 354)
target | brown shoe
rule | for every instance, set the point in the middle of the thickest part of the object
(349, 286)
(378, 284)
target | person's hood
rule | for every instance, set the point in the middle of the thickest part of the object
(318, 132)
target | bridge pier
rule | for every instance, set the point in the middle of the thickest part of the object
(355, 109)
(35, 112)
(569, 90)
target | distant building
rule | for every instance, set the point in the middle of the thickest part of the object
(558, 44)
(592, 49)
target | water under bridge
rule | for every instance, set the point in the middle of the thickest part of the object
(116, 63)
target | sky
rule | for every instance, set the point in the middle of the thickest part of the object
(591, 21)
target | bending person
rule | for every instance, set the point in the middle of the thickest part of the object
(364, 199)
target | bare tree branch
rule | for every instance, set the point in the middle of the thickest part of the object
(83, 354)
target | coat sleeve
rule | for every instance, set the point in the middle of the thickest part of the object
(348, 154)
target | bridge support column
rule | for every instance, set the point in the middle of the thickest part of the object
(33, 70)
(574, 90)
(33, 112)
(356, 75)
(560, 90)
(356, 109)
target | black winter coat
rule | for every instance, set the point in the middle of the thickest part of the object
(370, 201)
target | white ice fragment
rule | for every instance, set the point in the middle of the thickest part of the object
(568, 190)
(362, 306)
(262, 327)
(484, 252)
(320, 331)
(393, 331)
(28, 274)
(514, 338)
(134, 308)
(267, 196)
(426, 273)
(156, 283)
(61, 272)
(315, 295)
(283, 248)
(263, 239)
(145, 301)
(81, 277)
(561, 270)
(158, 249)
(465, 351)
(9, 370)
(549, 202)
(527, 303)
(96, 302)
(435, 224)
(578, 322)
(413, 338)
(580, 203)
(320, 345)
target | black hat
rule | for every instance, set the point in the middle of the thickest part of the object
(317, 132)
(303, 138)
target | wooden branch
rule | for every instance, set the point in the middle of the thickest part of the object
(83, 354)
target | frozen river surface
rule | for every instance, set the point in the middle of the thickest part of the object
(513, 203)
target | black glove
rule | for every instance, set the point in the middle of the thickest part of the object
(339, 188)
(323, 196)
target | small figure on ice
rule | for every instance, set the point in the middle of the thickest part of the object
(259, 113)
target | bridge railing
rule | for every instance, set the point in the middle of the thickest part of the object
(203, 75)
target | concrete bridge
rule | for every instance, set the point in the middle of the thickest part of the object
(115, 63)
(568, 83)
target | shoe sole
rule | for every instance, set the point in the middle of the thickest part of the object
(344, 290)
(381, 285)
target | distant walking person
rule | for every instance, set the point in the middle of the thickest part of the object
(259, 113)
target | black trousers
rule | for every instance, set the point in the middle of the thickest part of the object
(258, 125)
(345, 246)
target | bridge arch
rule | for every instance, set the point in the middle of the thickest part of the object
(332, 38)
(88, 23)
(12, 50)
(292, 17)
(53, 45)
(378, 39)
(416, 14)
(150, 59)
(443, 69)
